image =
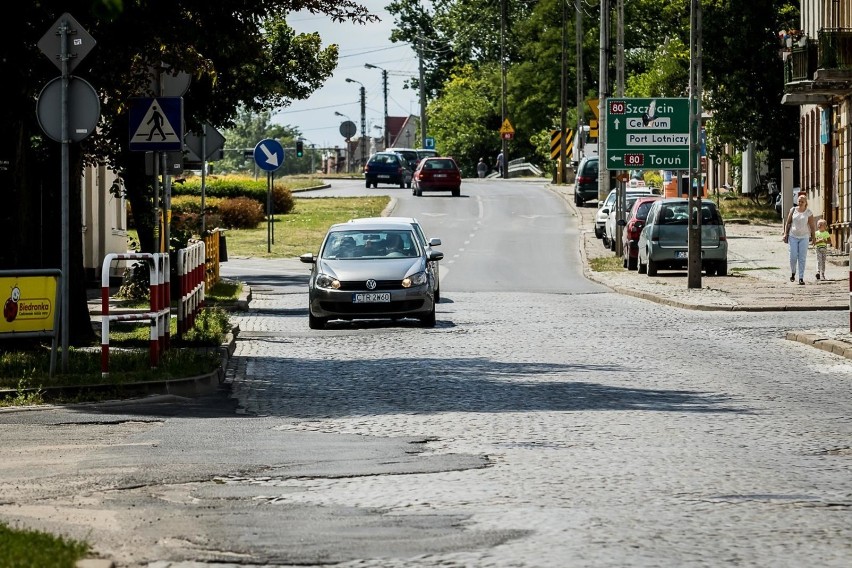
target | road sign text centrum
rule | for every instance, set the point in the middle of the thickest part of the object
(648, 134)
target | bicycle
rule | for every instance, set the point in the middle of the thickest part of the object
(765, 192)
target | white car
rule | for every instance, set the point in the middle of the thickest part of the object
(603, 212)
(610, 221)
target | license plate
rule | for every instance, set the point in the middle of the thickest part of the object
(681, 254)
(383, 176)
(440, 175)
(371, 297)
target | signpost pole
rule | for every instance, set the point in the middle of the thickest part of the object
(66, 260)
(695, 185)
(268, 209)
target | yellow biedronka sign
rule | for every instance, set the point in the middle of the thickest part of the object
(28, 303)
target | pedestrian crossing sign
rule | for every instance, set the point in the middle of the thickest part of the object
(156, 124)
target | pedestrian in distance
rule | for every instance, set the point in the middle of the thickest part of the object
(500, 164)
(799, 230)
(481, 168)
(821, 242)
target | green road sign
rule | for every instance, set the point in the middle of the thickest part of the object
(647, 134)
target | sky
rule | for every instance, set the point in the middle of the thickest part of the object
(358, 44)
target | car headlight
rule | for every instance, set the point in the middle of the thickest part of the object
(414, 280)
(326, 281)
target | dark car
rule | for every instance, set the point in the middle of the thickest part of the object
(664, 241)
(586, 183)
(371, 271)
(633, 228)
(410, 154)
(387, 167)
(437, 174)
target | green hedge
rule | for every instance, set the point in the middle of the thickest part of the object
(224, 187)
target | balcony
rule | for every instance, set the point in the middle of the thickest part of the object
(818, 72)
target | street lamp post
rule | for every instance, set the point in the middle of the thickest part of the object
(385, 91)
(336, 113)
(363, 119)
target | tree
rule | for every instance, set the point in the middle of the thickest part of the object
(246, 57)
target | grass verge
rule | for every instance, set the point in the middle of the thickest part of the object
(33, 549)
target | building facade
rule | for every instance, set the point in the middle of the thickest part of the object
(818, 79)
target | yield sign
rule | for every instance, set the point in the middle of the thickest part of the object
(156, 124)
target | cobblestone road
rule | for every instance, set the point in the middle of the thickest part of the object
(618, 432)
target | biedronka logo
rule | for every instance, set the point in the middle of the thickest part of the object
(16, 308)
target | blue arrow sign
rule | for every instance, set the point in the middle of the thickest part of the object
(269, 155)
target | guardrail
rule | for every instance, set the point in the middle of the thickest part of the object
(158, 315)
(192, 279)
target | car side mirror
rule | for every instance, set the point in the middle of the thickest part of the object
(308, 258)
(434, 242)
(621, 222)
(435, 255)
(605, 210)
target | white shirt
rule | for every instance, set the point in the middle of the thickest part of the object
(799, 228)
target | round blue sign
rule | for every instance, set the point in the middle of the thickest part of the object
(269, 155)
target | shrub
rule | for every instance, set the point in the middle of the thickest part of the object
(192, 204)
(241, 213)
(282, 199)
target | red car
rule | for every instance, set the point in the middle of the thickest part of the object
(633, 228)
(436, 174)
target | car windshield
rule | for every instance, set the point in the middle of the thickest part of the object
(434, 164)
(366, 244)
(642, 210)
(678, 214)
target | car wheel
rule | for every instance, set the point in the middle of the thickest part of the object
(598, 233)
(368, 184)
(605, 240)
(429, 319)
(456, 192)
(408, 185)
(624, 261)
(631, 262)
(612, 245)
(401, 184)
(419, 192)
(640, 267)
(316, 323)
(437, 295)
(577, 201)
(652, 267)
(722, 268)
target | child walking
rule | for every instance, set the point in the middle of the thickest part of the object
(821, 241)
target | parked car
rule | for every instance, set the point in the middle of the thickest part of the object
(613, 224)
(608, 207)
(604, 208)
(426, 243)
(664, 241)
(633, 228)
(586, 182)
(437, 174)
(410, 154)
(426, 153)
(374, 270)
(387, 167)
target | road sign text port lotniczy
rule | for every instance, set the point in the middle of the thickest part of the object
(648, 133)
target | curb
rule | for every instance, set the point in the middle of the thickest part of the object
(830, 345)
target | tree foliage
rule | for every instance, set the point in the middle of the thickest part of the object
(239, 55)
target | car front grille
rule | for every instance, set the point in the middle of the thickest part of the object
(361, 285)
(380, 308)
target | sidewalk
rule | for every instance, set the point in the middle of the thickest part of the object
(757, 280)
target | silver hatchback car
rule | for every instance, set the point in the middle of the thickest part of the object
(664, 240)
(375, 270)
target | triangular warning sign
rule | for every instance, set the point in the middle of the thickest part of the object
(155, 127)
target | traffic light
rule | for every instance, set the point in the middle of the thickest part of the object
(299, 148)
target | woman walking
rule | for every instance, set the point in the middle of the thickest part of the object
(799, 229)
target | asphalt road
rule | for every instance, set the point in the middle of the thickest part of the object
(544, 421)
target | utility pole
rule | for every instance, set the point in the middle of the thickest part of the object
(603, 94)
(504, 141)
(580, 136)
(563, 123)
(385, 92)
(621, 202)
(695, 183)
(423, 123)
